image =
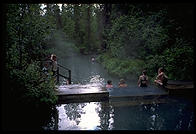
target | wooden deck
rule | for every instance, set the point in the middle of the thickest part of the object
(179, 88)
(95, 93)
(81, 93)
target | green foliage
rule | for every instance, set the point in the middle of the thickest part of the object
(39, 90)
(177, 61)
(27, 36)
(27, 91)
(122, 67)
(32, 87)
(137, 37)
(147, 36)
(68, 22)
(81, 25)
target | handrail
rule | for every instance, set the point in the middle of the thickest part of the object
(63, 67)
(68, 78)
(49, 60)
(58, 73)
(63, 76)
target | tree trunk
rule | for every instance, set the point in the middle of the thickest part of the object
(76, 18)
(106, 22)
(88, 26)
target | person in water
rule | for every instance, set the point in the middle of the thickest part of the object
(143, 79)
(109, 84)
(122, 83)
(93, 59)
(161, 78)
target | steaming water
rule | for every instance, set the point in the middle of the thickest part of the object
(90, 73)
(119, 114)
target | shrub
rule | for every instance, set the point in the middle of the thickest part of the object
(38, 89)
(177, 61)
(121, 67)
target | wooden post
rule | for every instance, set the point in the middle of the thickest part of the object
(69, 76)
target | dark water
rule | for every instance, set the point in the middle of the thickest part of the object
(169, 113)
(173, 114)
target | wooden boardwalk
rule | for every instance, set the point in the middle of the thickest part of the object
(95, 93)
(90, 93)
(81, 93)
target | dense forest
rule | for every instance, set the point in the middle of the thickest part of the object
(126, 38)
(132, 37)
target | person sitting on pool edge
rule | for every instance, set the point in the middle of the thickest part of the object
(161, 78)
(109, 84)
(122, 83)
(143, 79)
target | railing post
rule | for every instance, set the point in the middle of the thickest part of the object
(57, 75)
(69, 76)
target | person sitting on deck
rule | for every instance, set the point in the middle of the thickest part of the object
(143, 79)
(122, 83)
(161, 78)
(109, 84)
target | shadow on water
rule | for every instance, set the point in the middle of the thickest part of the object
(121, 113)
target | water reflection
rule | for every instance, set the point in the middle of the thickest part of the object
(90, 120)
(106, 113)
(156, 122)
(171, 115)
(84, 116)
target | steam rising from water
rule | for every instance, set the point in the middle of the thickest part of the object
(62, 47)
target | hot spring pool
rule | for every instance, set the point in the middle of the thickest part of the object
(171, 113)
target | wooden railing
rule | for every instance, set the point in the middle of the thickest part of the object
(58, 71)
(60, 75)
